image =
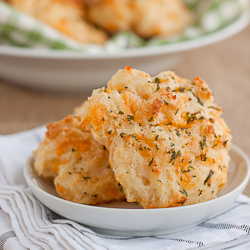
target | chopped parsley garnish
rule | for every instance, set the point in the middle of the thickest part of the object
(156, 138)
(214, 108)
(200, 192)
(211, 172)
(109, 132)
(191, 117)
(203, 143)
(177, 132)
(69, 172)
(176, 111)
(157, 80)
(120, 113)
(130, 117)
(182, 202)
(108, 166)
(174, 156)
(203, 157)
(86, 178)
(120, 187)
(165, 102)
(151, 162)
(158, 87)
(122, 134)
(225, 143)
(184, 192)
(73, 150)
(151, 119)
(199, 101)
(185, 171)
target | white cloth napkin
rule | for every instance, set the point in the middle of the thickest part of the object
(26, 224)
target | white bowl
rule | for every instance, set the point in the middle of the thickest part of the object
(77, 72)
(123, 218)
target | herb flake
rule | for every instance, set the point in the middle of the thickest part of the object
(184, 192)
(211, 172)
(150, 163)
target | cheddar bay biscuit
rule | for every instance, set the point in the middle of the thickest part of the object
(66, 16)
(147, 18)
(167, 144)
(78, 164)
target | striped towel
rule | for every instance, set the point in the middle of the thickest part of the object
(19, 29)
(27, 224)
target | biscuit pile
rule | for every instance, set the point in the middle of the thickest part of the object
(167, 144)
(93, 21)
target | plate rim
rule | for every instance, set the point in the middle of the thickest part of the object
(136, 210)
(235, 27)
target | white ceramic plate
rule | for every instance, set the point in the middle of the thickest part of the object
(77, 72)
(123, 218)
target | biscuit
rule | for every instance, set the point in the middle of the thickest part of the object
(78, 164)
(67, 16)
(168, 145)
(147, 18)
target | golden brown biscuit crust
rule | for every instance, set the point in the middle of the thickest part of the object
(78, 163)
(168, 145)
(64, 15)
(147, 18)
